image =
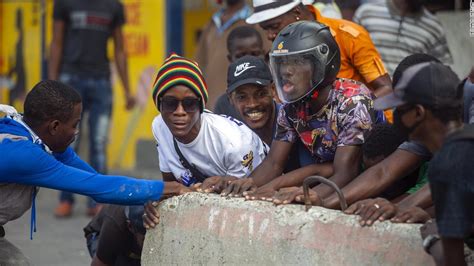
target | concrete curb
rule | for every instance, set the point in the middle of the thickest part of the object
(208, 229)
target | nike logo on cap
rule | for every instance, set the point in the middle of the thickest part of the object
(242, 68)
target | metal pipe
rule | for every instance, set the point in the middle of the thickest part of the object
(313, 180)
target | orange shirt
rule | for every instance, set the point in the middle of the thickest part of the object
(359, 58)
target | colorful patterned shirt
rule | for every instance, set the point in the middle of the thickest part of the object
(343, 121)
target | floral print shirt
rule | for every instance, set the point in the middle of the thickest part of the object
(343, 121)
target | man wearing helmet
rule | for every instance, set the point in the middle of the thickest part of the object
(329, 115)
(360, 60)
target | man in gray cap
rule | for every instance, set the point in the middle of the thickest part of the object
(428, 102)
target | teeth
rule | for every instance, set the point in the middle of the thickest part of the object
(255, 115)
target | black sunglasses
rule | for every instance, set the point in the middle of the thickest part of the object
(170, 104)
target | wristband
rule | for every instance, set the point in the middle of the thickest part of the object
(429, 241)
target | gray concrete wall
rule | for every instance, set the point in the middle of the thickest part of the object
(208, 229)
(461, 45)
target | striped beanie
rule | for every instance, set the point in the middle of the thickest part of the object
(177, 70)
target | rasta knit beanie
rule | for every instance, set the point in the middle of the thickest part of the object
(177, 70)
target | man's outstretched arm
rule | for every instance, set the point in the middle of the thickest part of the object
(376, 179)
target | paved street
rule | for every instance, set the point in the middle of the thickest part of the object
(57, 241)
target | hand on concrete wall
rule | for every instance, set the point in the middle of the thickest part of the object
(151, 216)
(214, 184)
(371, 210)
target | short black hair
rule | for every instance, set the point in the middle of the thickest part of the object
(409, 61)
(383, 139)
(242, 32)
(50, 100)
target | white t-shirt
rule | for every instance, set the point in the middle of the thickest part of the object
(224, 146)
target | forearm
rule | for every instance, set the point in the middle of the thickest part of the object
(122, 69)
(421, 198)
(367, 185)
(381, 85)
(340, 180)
(56, 49)
(121, 59)
(266, 172)
(296, 177)
(54, 60)
(382, 90)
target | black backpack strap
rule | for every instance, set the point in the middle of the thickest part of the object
(200, 177)
(467, 133)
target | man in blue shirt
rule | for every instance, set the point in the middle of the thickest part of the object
(35, 152)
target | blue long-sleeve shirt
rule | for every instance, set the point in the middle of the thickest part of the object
(27, 163)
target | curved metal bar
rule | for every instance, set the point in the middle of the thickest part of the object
(312, 180)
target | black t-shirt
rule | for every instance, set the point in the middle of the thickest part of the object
(451, 176)
(88, 25)
(117, 245)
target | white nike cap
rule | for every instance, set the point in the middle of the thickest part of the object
(268, 9)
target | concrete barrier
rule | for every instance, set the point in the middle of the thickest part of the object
(208, 229)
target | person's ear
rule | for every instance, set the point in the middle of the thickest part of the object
(420, 113)
(296, 12)
(229, 57)
(53, 127)
(229, 96)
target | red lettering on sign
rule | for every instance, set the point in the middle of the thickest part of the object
(136, 43)
(132, 13)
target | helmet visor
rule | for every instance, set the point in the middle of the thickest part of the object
(297, 74)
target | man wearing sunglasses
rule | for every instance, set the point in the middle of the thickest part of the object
(194, 144)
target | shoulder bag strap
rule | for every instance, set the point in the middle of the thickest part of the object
(196, 173)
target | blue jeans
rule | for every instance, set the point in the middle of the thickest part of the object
(96, 96)
(468, 102)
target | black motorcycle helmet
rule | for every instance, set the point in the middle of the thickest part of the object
(304, 57)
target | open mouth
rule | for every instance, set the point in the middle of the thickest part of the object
(288, 86)
(254, 115)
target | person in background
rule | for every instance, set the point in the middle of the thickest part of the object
(242, 41)
(399, 28)
(469, 98)
(211, 52)
(328, 8)
(115, 236)
(78, 57)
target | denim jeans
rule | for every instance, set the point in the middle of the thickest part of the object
(468, 102)
(92, 243)
(96, 96)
